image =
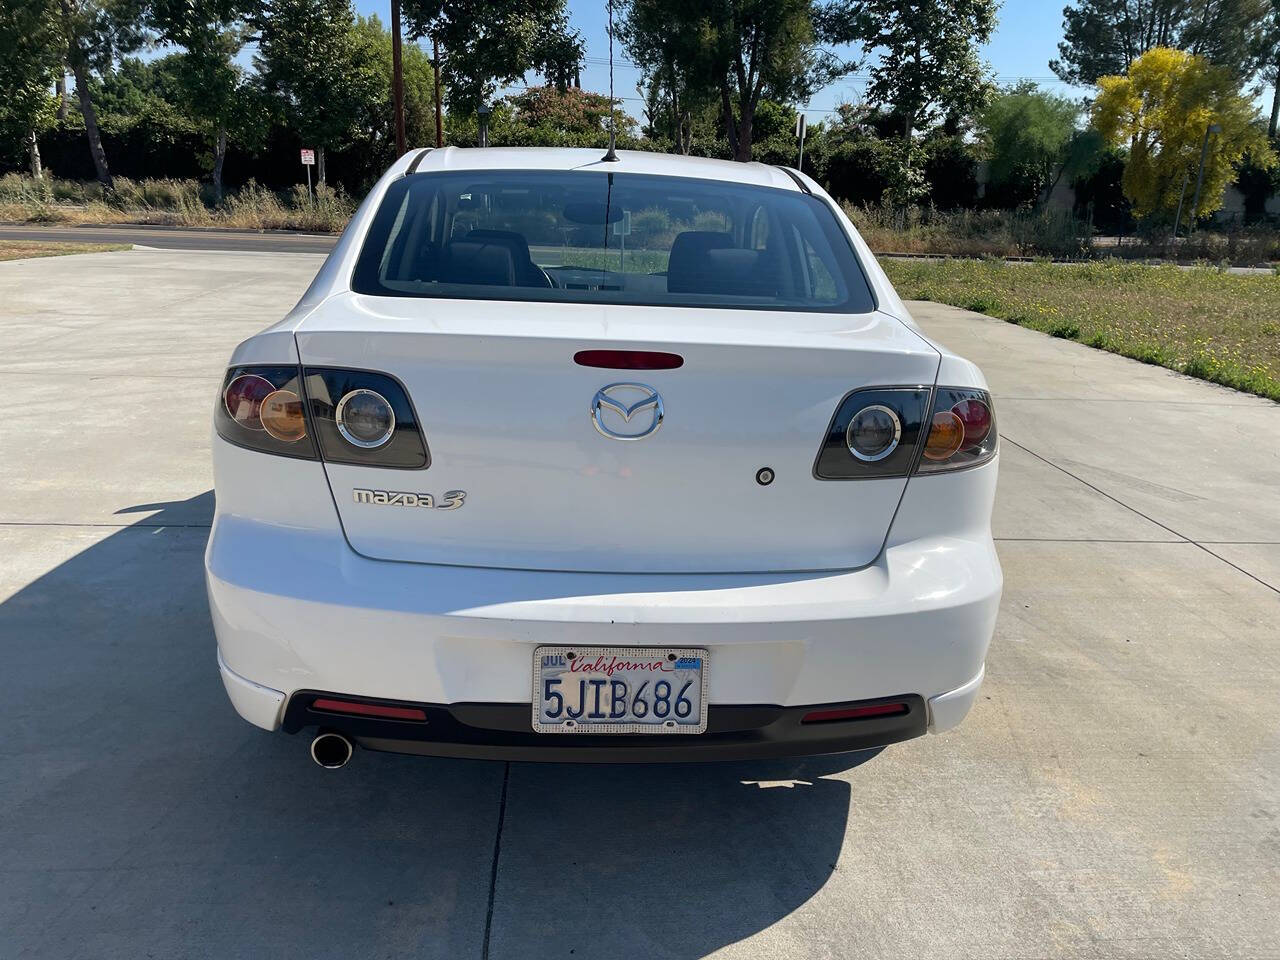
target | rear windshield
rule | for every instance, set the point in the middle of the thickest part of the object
(593, 237)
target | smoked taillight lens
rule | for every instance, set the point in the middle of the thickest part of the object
(364, 418)
(261, 408)
(873, 434)
(962, 430)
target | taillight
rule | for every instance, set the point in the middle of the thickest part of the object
(873, 434)
(343, 416)
(893, 431)
(364, 418)
(261, 408)
(962, 431)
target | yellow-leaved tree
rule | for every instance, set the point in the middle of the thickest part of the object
(1160, 111)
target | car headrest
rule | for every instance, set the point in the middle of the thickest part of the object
(479, 262)
(687, 264)
(709, 263)
(508, 238)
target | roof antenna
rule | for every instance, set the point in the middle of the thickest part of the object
(611, 156)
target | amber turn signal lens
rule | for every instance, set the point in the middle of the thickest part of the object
(282, 417)
(946, 436)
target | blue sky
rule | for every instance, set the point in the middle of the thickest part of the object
(1025, 39)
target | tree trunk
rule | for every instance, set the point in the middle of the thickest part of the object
(219, 155)
(80, 68)
(319, 166)
(99, 155)
(61, 87)
(1275, 107)
(742, 153)
(33, 150)
(730, 128)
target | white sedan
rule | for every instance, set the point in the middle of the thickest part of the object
(569, 458)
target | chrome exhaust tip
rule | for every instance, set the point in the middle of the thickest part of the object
(331, 750)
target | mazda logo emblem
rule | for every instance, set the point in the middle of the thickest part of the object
(633, 409)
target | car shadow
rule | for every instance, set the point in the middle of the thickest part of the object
(143, 817)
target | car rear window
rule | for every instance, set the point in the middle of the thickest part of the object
(595, 237)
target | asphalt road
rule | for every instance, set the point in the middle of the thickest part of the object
(177, 238)
(1115, 792)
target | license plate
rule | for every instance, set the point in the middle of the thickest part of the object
(619, 690)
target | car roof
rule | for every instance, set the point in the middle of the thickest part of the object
(629, 161)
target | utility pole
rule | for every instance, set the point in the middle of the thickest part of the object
(1204, 151)
(397, 79)
(435, 66)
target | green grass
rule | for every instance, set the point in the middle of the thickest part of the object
(1202, 322)
(25, 249)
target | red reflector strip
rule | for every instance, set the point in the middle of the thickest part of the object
(628, 359)
(369, 710)
(856, 713)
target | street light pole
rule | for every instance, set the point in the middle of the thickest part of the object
(397, 79)
(1204, 151)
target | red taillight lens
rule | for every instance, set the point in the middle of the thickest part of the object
(355, 708)
(243, 399)
(976, 417)
(856, 713)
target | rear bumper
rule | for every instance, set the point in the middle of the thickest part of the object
(501, 731)
(296, 610)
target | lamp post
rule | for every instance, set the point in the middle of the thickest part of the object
(397, 79)
(1204, 150)
(484, 112)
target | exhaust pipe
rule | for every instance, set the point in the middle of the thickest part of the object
(331, 750)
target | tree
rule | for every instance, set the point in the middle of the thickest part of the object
(90, 35)
(489, 42)
(740, 51)
(1028, 135)
(29, 37)
(210, 86)
(1104, 37)
(323, 73)
(419, 96)
(1269, 40)
(1161, 110)
(929, 66)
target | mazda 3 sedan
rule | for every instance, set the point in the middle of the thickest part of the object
(569, 458)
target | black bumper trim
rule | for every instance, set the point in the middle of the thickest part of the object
(504, 731)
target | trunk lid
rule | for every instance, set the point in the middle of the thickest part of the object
(507, 416)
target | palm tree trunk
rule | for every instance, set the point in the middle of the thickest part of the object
(319, 166)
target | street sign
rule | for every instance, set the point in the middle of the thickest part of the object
(800, 126)
(309, 158)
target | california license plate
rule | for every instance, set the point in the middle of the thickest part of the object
(619, 690)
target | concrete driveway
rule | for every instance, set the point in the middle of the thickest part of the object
(1115, 793)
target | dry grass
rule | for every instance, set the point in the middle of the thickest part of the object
(25, 249)
(1202, 322)
(172, 203)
